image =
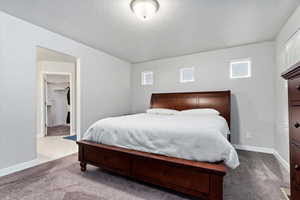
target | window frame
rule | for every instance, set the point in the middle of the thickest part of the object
(143, 78)
(181, 71)
(237, 61)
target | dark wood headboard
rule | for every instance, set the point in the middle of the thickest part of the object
(219, 100)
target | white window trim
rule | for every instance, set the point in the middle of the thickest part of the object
(143, 74)
(181, 75)
(245, 60)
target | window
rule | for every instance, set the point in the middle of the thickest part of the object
(240, 68)
(147, 78)
(187, 75)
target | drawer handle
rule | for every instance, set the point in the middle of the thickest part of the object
(297, 167)
(297, 125)
(298, 87)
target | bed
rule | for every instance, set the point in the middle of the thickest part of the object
(139, 146)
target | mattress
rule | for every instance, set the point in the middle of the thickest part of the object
(198, 138)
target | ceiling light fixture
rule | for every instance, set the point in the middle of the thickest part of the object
(144, 9)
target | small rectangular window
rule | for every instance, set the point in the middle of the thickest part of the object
(240, 68)
(147, 78)
(187, 75)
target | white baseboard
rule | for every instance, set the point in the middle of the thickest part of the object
(19, 167)
(283, 162)
(32, 163)
(254, 148)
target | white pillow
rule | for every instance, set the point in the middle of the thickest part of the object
(201, 111)
(162, 111)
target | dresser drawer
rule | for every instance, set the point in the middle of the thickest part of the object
(295, 120)
(295, 166)
(294, 89)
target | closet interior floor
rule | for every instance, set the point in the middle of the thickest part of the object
(61, 130)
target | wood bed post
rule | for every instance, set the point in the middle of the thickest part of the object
(83, 163)
(83, 166)
(216, 187)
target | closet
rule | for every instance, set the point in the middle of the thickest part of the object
(57, 101)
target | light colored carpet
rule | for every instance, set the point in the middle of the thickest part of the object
(54, 147)
(258, 178)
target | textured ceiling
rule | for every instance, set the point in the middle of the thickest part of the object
(180, 27)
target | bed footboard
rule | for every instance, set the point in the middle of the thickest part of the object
(197, 179)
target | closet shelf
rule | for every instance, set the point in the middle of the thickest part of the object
(59, 89)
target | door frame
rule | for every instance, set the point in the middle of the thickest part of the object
(43, 100)
(77, 88)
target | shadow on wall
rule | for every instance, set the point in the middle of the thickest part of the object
(235, 121)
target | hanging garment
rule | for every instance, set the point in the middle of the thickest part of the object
(68, 95)
(68, 99)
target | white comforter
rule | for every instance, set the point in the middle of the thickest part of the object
(200, 138)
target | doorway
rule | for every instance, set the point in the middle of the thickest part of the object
(57, 104)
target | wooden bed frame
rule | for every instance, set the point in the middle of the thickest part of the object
(199, 179)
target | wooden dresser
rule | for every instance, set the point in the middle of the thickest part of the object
(293, 77)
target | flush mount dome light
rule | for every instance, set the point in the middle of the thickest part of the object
(144, 9)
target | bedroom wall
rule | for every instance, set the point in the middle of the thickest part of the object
(104, 83)
(252, 98)
(282, 127)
